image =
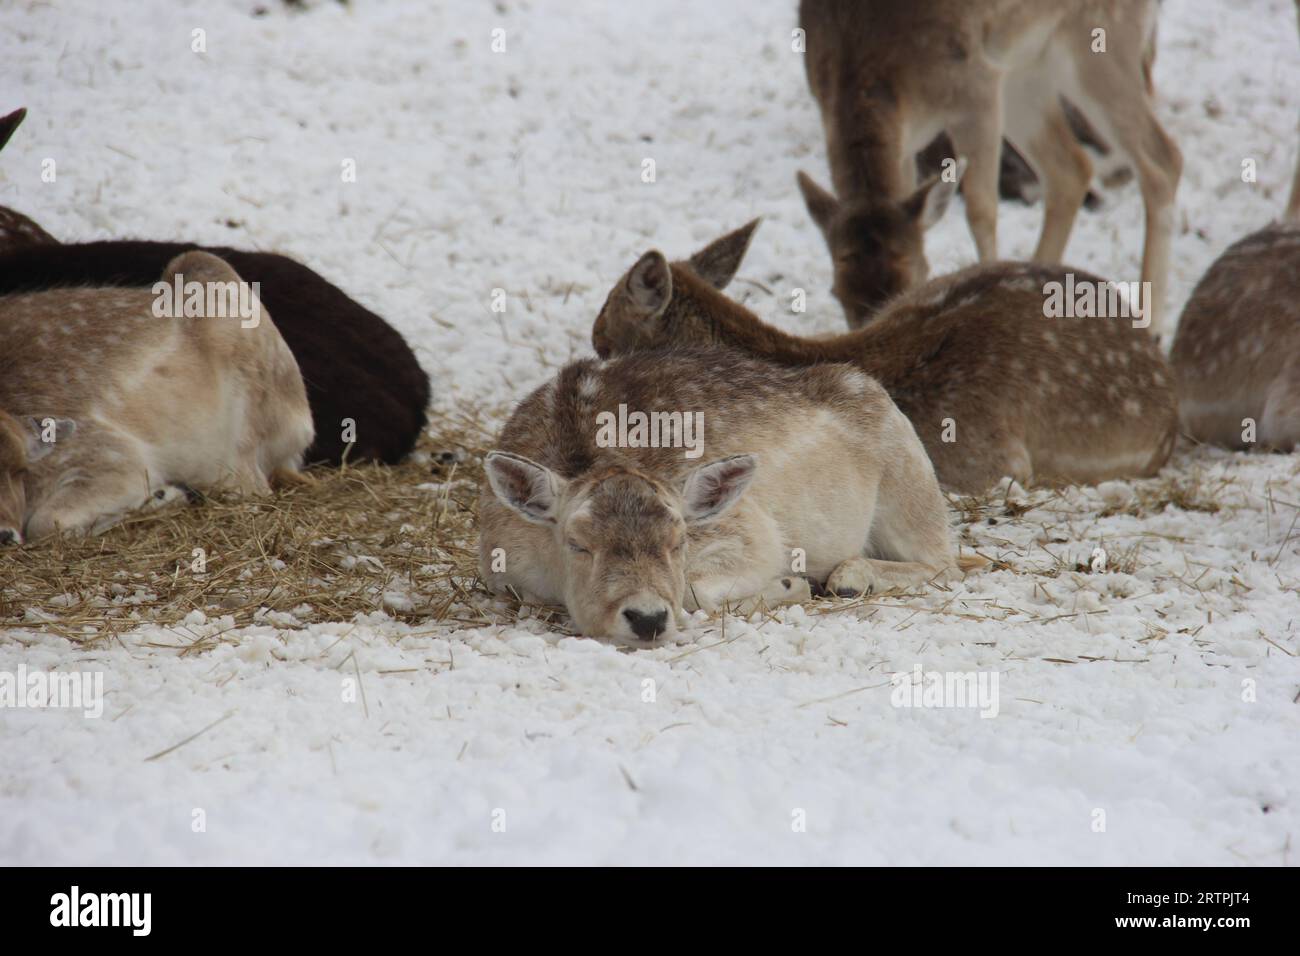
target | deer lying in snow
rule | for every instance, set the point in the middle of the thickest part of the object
(1237, 349)
(801, 471)
(106, 406)
(889, 75)
(992, 385)
(368, 394)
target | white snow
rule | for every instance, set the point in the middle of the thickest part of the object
(522, 171)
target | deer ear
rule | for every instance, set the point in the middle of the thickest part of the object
(717, 262)
(8, 124)
(713, 488)
(821, 204)
(47, 433)
(650, 283)
(530, 490)
(932, 198)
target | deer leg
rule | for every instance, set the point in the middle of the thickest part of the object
(287, 477)
(745, 597)
(1112, 95)
(858, 576)
(92, 506)
(978, 137)
(1038, 126)
(909, 541)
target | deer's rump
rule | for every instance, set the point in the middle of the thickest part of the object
(354, 364)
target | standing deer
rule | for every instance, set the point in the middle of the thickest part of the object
(369, 396)
(800, 471)
(992, 385)
(889, 75)
(106, 406)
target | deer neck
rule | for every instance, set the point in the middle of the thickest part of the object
(732, 325)
(864, 143)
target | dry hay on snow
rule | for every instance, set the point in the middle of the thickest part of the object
(358, 539)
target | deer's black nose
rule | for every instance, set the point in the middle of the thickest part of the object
(8, 536)
(647, 626)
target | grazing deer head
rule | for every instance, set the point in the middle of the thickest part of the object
(877, 244)
(622, 536)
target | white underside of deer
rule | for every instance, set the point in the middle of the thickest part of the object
(124, 409)
(804, 473)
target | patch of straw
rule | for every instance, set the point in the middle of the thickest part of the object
(327, 551)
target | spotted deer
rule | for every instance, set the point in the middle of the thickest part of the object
(368, 393)
(991, 384)
(802, 472)
(107, 406)
(889, 75)
(1237, 348)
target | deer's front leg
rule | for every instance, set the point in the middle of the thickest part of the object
(94, 505)
(745, 597)
(737, 563)
(979, 138)
(858, 576)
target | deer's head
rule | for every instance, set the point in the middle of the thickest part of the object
(641, 312)
(877, 244)
(621, 535)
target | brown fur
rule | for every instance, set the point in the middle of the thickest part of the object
(889, 75)
(1237, 350)
(1044, 399)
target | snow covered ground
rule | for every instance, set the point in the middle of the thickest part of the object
(1146, 715)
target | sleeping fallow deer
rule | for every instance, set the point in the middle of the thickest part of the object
(113, 399)
(778, 473)
(888, 75)
(991, 383)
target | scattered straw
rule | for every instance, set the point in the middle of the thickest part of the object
(359, 539)
(402, 540)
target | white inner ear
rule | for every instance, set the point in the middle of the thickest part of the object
(940, 196)
(712, 489)
(524, 486)
(650, 283)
